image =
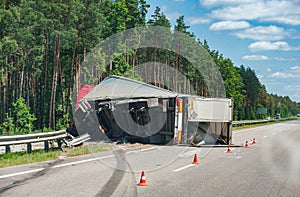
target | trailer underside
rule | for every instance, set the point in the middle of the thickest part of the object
(136, 121)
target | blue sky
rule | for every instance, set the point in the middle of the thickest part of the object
(263, 35)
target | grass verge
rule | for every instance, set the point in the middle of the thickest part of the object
(83, 150)
(18, 158)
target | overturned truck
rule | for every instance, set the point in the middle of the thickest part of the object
(133, 111)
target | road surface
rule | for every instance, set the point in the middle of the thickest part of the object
(271, 167)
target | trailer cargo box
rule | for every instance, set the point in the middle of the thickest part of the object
(129, 110)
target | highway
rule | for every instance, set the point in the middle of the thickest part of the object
(271, 167)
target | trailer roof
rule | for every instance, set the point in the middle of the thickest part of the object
(116, 87)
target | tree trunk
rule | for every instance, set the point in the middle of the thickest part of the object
(45, 84)
(175, 78)
(4, 107)
(154, 60)
(77, 74)
(54, 81)
(22, 80)
(70, 86)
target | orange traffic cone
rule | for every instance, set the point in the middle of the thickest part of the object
(143, 180)
(228, 149)
(195, 159)
(246, 145)
(254, 141)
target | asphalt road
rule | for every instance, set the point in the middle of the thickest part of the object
(269, 168)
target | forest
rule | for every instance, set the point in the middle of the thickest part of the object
(43, 45)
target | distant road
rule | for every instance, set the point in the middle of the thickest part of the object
(269, 168)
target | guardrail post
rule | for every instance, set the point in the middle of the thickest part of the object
(59, 144)
(29, 148)
(7, 149)
(46, 145)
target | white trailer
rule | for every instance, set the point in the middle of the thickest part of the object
(138, 112)
(203, 120)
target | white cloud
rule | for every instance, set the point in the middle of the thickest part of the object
(197, 20)
(211, 3)
(263, 58)
(291, 20)
(267, 45)
(255, 57)
(262, 33)
(249, 11)
(269, 70)
(293, 72)
(295, 68)
(172, 16)
(229, 25)
(280, 11)
(293, 91)
(281, 75)
(260, 76)
(284, 81)
(284, 59)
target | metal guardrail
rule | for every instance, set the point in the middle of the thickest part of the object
(250, 122)
(28, 139)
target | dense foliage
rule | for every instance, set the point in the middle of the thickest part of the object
(43, 44)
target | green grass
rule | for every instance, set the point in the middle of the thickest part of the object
(83, 150)
(18, 158)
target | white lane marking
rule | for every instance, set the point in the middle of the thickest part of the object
(200, 152)
(62, 165)
(146, 149)
(265, 136)
(21, 173)
(82, 161)
(142, 150)
(188, 153)
(273, 133)
(244, 130)
(184, 167)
